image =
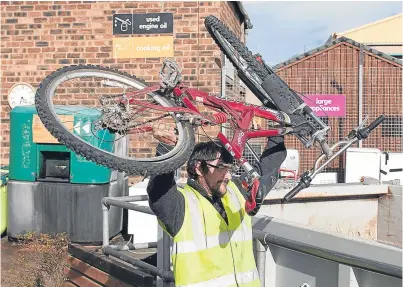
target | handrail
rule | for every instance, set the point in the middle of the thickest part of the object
(116, 251)
(165, 275)
(360, 253)
(127, 205)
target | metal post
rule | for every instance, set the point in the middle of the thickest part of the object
(223, 75)
(223, 84)
(131, 198)
(137, 246)
(164, 256)
(260, 255)
(127, 205)
(360, 86)
(105, 223)
(167, 276)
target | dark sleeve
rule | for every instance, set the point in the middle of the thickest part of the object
(165, 200)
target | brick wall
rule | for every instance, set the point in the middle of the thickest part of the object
(38, 38)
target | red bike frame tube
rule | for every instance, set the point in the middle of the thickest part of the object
(241, 113)
(205, 98)
(264, 133)
(234, 151)
(144, 91)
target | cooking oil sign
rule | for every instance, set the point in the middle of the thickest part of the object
(143, 24)
(143, 47)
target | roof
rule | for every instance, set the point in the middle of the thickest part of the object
(248, 23)
(331, 43)
(387, 31)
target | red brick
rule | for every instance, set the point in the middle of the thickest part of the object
(79, 37)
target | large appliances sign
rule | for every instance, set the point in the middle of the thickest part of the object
(327, 105)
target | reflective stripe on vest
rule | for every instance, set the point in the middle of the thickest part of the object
(202, 258)
(199, 241)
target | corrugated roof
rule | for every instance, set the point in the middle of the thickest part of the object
(331, 43)
(386, 31)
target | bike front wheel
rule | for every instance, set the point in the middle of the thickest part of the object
(251, 71)
(82, 108)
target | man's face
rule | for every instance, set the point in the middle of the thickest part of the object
(217, 177)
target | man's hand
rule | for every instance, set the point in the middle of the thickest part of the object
(165, 136)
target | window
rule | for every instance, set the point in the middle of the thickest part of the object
(230, 70)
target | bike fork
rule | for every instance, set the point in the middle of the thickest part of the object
(237, 154)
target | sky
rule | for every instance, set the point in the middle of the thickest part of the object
(283, 29)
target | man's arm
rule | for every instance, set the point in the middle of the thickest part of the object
(165, 200)
(270, 161)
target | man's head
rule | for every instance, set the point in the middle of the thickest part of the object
(209, 164)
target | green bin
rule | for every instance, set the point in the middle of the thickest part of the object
(3, 198)
(51, 189)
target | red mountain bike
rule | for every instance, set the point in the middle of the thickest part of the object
(121, 105)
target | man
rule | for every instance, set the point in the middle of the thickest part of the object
(211, 231)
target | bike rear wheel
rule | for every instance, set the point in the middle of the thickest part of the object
(252, 72)
(93, 128)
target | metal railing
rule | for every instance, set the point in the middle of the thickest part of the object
(301, 255)
(163, 270)
(278, 247)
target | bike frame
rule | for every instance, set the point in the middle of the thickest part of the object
(239, 114)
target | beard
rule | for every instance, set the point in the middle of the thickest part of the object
(220, 189)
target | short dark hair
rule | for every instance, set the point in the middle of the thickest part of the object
(207, 151)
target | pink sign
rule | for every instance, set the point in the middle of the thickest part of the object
(330, 105)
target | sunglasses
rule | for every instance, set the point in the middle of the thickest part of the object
(220, 165)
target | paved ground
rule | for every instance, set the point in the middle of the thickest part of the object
(8, 250)
(9, 253)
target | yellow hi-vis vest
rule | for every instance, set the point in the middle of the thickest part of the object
(209, 252)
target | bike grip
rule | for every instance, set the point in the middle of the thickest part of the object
(376, 123)
(250, 203)
(294, 191)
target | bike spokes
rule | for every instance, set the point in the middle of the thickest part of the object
(107, 111)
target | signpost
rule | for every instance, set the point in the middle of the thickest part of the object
(150, 23)
(153, 23)
(122, 24)
(143, 24)
(143, 47)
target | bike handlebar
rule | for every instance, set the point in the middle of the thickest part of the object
(300, 186)
(376, 123)
(306, 178)
(364, 132)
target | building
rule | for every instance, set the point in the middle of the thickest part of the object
(384, 35)
(334, 68)
(40, 37)
(371, 82)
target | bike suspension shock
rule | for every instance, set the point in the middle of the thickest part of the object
(220, 118)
